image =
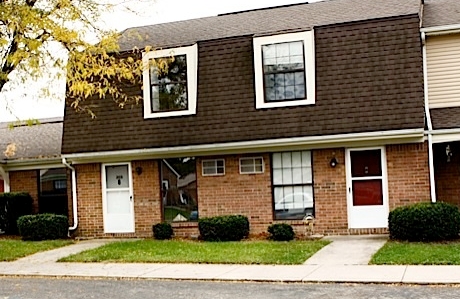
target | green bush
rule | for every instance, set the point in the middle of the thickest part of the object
(281, 232)
(12, 206)
(43, 227)
(425, 222)
(162, 231)
(224, 228)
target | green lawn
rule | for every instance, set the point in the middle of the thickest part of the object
(181, 251)
(414, 253)
(11, 249)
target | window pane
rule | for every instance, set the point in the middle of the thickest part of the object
(277, 176)
(282, 50)
(306, 175)
(296, 48)
(269, 51)
(117, 176)
(169, 84)
(306, 158)
(294, 179)
(286, 160)
(270, 94)
(287, 176)
(179, 195)
(276, 160)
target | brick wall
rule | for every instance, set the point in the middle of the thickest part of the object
(408, 174)
(2, 186)
(235, 193)
(25, 181)
(147, 198)
(447, 174)
(251, 195)
(89, 194)
(330, 189)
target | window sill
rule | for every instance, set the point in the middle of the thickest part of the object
(265, 105)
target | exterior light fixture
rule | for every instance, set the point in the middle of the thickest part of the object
(139, 170)
(333, 162)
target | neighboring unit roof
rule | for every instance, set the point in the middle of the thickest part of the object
(39, 141)
(441, 13)
(445, 118)
(264, 21)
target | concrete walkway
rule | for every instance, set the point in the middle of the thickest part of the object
(344, 260)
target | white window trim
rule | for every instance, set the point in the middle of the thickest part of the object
(309, 48)
(253, 159)
(191, 54)
(215, 162)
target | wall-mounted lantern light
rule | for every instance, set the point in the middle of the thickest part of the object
(139, 170)
(333, 162)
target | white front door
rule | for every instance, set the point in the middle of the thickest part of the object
(118, 198)
(367, 188)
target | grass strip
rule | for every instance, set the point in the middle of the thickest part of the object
(184, 251)
(418, 253)
(11, 250)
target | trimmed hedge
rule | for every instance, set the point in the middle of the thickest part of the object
(43, 227)
(281, 232)
(12, 206)
(224, 228)
(425, 222)
(162, 231)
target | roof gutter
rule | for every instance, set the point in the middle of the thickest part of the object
(268, 145)
(428, 120)
(26, 164)
(440, 30)
(74, 195)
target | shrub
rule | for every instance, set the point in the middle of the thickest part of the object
(224, 228)
(425, 222)
(162, 231)
(43, 227)
(12, 206)
(281, 232)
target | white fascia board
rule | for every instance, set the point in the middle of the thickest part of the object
(446, 135)
(440, 30)
(14, 165)
(255, 146)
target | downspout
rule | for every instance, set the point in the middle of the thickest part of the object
(6, 178)
(428, 121)
(74, 195)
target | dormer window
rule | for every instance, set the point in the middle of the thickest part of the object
(170, 82)
(284, 70)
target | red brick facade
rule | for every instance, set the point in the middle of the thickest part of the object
(25, 181)
(408, 174)
(251, 194)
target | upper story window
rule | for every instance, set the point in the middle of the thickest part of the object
(251, 165)
(170, 82)
(284, 70)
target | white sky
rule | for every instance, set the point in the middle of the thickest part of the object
(24, 102)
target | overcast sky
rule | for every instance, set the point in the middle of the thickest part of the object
(25, 103)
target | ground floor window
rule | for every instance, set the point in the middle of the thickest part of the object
(52, 191)
(292, 183)
(178, 189)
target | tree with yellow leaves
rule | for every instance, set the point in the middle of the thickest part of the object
(30, 28)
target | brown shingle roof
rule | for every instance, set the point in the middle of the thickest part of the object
(441, 12)
(264, 21)
(32, 142)
(445, 118)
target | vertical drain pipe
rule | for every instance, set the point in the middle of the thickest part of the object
(428, 121)
(74, 195)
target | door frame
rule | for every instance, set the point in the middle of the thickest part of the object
(383, 161)
(104, 195)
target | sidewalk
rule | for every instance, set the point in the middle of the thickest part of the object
(341, 261)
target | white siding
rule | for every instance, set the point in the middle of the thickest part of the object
(443, 69)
